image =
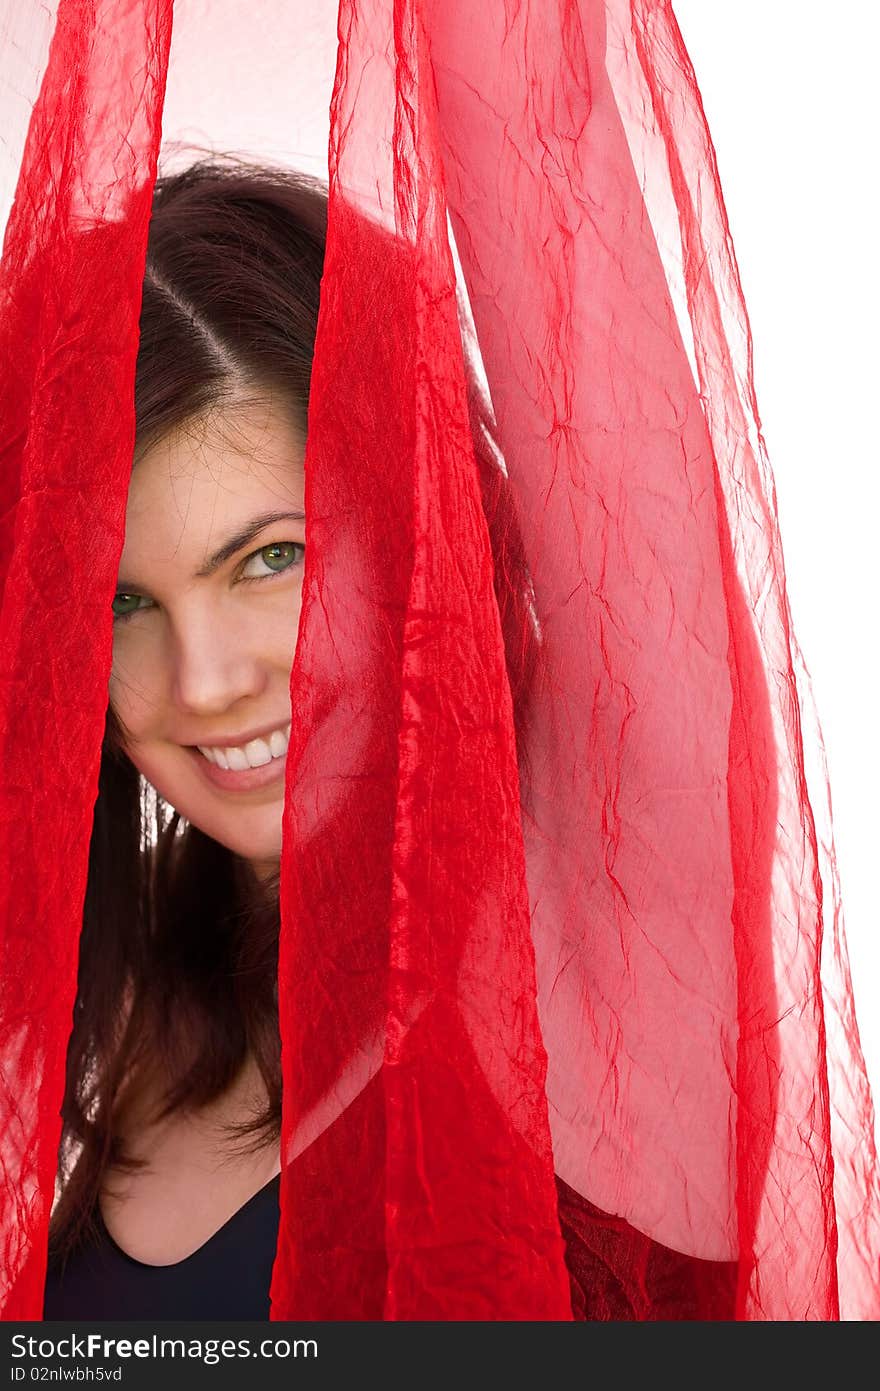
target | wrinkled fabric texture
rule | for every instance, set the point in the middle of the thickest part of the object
(584, 978)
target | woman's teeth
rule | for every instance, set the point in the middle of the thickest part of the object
(251, 755)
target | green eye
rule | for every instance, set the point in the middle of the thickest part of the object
(284, 559)
(278, 556)
(123, 599)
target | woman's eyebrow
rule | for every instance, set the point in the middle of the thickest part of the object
(242, 537)
(232, 544)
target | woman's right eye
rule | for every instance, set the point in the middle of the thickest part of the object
(121, 614)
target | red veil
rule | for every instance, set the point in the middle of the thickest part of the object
(561, 961)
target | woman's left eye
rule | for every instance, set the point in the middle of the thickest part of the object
(278, 556)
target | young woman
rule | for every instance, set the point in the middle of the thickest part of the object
(170, 1156)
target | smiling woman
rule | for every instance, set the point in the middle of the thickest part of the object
(173, 1104)
(202, 650)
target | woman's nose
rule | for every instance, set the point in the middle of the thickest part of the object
(215, 665)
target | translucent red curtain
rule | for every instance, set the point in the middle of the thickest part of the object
(575, 959)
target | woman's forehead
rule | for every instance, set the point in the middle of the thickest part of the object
(209, 476)
(261, 429)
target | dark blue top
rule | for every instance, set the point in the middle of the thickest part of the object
(228, 1277)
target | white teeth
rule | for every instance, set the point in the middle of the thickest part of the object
(278, 741)
(258, 753)
(254, 754)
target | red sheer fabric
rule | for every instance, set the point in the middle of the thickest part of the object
(567, 1027)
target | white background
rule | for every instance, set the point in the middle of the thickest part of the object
(789, 88)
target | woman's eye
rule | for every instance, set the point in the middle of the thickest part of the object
(125, 599)
(278, 556)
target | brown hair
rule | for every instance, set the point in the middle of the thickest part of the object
(179, 946)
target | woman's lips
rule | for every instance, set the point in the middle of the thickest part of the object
(239, 780)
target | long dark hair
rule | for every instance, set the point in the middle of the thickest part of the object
(179, 947)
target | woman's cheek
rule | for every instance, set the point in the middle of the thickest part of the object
(132, 690)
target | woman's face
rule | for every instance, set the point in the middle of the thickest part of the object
(206, 616)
